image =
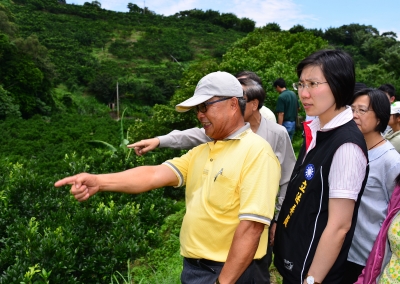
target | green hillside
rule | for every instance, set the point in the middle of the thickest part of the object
(88, 50)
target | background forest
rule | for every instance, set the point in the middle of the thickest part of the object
(60, 66)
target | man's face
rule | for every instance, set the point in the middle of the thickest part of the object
(251, 108)
(216, 120)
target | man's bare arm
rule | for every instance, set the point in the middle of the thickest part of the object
(132, 181)
(280, 117)
(244, 246)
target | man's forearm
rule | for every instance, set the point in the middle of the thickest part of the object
(280, 117)
(137, 180)
(244, 246)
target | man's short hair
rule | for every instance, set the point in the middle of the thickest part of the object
(280, 82)
(359, 86)
(338, 69)
(249, 74)
(388, 88)
(379, 103)
(253, 91)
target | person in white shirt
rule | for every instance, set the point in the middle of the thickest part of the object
(317, 219)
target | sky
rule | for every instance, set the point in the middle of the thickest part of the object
(320, 14)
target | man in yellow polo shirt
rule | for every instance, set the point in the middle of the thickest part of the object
(231, 184)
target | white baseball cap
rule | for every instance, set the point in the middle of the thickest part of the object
(214, 84)
(395, 107)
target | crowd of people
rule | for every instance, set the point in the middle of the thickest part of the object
(331, 216)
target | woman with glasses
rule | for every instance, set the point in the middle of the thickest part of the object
(317, 219)
(371, 110)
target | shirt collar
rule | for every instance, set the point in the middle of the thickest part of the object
(240, 133)
(312, 127)
(339, 120)
(375, 153)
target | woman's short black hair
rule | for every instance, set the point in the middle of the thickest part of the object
(379, 103)
(338, 69)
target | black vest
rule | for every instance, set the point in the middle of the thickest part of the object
(304, 212)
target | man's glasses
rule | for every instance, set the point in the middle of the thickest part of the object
(360, 111)
(203, 107)
(300, 86)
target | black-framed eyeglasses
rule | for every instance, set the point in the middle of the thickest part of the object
(203, 107)
(300, 86)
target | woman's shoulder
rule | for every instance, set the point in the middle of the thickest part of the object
(393, 135)
(387, 155)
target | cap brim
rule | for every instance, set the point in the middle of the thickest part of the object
(192, 102)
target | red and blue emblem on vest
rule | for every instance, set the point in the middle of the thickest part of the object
(309, 172)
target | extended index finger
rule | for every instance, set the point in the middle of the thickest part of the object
(65, 181)
(137, 144)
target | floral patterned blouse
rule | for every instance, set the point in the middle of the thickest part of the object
(391, 273)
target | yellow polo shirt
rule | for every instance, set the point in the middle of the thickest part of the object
(226, 181)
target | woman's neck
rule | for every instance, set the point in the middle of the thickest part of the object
(373, 140)
(329, 115)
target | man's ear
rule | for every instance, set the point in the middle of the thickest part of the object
(254, 105)
(234, 102)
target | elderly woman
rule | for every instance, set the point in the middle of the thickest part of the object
(317, 219)
(371, 110)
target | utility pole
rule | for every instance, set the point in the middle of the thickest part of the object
(117, 103)
(144, 6)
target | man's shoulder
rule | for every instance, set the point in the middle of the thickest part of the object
(274, 127)
(292, 94)
(267, 113)
(392, 135)
(255, 139)
(287, 95)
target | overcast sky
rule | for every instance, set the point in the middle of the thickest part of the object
(382, 14)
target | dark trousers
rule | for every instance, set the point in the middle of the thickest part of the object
(207, 273)
(261, 267)
(353, 270)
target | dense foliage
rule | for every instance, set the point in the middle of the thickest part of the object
(40, 224)
(46, 42)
